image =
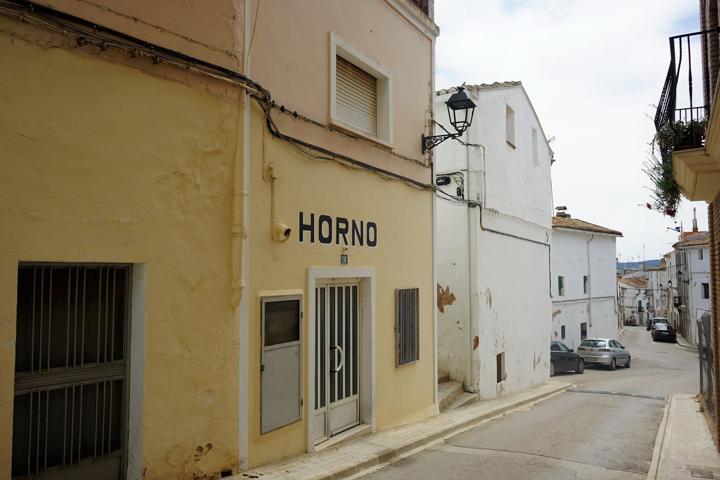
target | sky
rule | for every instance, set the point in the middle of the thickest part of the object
(594, 70)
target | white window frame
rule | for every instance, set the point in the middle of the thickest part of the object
(385, 131)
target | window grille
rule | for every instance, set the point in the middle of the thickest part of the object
(356, 97)
(407, 325)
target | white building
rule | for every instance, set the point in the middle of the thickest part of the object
(494, 244)
(583, 281)
(690, 276)
(657, 292)
(632, 298)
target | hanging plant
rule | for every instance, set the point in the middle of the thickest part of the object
(672, 136)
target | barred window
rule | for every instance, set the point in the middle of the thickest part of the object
(407, 325)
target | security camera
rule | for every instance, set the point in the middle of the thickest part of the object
(281, 232)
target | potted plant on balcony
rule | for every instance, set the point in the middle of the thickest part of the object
(681, 135)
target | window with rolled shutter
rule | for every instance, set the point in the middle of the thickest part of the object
(356, 93)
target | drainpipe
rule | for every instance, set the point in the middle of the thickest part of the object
(279, 232)
(589, 282)
(471, 382)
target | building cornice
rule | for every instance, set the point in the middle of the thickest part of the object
(416, 17)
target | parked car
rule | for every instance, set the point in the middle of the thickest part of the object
(563, 359)
(652, 321)
(665, 332)
(604, 351)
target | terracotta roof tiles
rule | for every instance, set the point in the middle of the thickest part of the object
(577, 224)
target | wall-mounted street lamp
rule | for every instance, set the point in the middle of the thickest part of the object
(681, 276)
(460, 111)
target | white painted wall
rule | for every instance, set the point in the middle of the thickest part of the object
(571, 250)
(509, 308)
(699, 269)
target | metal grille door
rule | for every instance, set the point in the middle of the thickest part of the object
(70, 372)
(337, 406)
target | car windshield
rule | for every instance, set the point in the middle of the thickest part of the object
(594, 343)
(661, 326)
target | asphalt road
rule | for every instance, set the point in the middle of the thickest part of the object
(605, 429)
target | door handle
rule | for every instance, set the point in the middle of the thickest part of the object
(342, 358)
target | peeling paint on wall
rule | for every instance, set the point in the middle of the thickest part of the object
(476, 342)
(536, 360)
(488, 297)
(444, 297)
(556, 313)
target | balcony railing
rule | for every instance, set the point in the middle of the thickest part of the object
(686, 84)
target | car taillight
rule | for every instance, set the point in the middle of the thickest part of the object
(604, 350)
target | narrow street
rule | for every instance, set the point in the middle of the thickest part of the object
(605, 428)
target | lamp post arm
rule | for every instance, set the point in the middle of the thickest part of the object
(431, 141)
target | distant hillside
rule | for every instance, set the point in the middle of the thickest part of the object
(638, 265)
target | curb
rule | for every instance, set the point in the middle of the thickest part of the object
(358, 466)
(416, 447)
(685, 345)
(480, 419)
(659, 443)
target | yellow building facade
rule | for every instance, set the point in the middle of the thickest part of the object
(202, 273)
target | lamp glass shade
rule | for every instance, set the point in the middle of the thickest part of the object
(460, 110)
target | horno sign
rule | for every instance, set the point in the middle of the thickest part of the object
(328, 230)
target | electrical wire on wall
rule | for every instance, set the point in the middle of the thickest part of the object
(86, 33)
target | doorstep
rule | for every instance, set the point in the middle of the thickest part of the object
(684, 448)
(357, 455)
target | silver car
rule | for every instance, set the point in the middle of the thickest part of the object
(604, 351)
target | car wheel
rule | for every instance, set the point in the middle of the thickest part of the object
(580, 367)
(627, 365)
(613, 364)
(552, 369)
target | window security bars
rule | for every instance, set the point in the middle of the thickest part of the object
(70, 371)
(407, 325)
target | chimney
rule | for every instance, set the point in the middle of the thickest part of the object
(695, 227)
(561, 212)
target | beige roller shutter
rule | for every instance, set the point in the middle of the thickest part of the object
(356, 97)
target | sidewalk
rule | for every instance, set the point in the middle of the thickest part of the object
(684, 448)
(355, 456)
(685, 344)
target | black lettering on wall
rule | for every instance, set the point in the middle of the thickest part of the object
(341, 228)
(325, 236)
(307, 227)
(372, 234)
(357, 232)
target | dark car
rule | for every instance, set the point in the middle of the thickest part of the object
(563, 359)
(652, 321)
(665, 332)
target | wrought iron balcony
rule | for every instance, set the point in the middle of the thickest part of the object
(687, 84)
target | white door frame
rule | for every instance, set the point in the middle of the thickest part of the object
(366, 337)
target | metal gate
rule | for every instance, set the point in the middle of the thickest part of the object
(70, 410)
(337, 403)
(706, 362)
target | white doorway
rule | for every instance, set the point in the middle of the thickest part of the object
(340, 357)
